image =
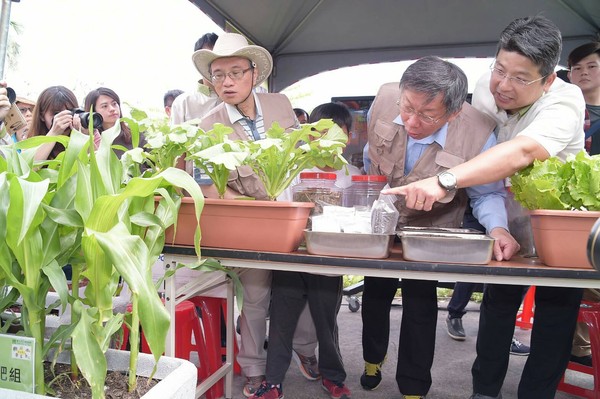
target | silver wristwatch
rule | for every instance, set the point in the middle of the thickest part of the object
(447, 181)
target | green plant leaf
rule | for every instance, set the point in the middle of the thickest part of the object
(128, 254)
(553, 184)
(89, 354)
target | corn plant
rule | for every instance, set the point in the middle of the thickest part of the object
(79, 209)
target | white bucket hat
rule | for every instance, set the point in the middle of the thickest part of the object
(234, 45)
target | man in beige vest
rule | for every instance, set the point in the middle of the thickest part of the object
(538, 116)
(420, 128)
(235, 68)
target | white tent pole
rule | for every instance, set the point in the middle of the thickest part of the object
(4, 24)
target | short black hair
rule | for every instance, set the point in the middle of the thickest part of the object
(170, 96)
(338, 112)
(583, 51)
(299, 112)
(208, 39)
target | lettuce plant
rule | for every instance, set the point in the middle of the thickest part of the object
(553, 184)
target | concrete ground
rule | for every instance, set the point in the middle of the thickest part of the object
(451, 367)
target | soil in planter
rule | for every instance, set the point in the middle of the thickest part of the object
(116, 384)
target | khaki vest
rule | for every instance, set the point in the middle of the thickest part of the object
(467, 134)
(275, 107)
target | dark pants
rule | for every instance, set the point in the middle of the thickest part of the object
(460, 299)
(417, 331)
(556, 311)
(289, 293)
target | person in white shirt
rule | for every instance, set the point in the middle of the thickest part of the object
(538, 116)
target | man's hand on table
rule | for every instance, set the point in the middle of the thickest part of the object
(505, 246)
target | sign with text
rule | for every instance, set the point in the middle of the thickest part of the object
(17, 368)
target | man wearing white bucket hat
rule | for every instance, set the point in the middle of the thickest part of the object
(235, 68)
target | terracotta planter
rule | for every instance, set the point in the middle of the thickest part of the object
(269, 226)
(561, 237)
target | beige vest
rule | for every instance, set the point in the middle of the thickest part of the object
(275, 107)
(467, 134)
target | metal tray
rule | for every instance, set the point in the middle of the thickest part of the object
(446, 247)
(352, 245)
(439, 230)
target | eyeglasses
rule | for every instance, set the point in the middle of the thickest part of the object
(428, 120)
(233, 75)
(25, 109)
(518, 81)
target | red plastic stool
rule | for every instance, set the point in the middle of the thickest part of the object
(589, 313)
(525, 316)
(213, 312)
(187, 324)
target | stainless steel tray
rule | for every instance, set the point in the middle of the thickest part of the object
(446, 247)
(439, 230)
(353, 245)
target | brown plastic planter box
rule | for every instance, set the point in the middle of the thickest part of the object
(561, 236)
(268, 226)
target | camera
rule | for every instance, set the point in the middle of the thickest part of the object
(14, 120)
(11, 94)
(85, 118)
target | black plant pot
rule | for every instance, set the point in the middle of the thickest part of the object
(593, 246)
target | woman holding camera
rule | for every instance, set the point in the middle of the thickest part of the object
(53, 116)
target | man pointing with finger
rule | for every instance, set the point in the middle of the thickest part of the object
(538, 116)
(417, 129)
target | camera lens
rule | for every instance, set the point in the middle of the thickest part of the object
(11, 94)
(96, 119)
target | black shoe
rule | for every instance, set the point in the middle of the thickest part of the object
(583, 360)
(455, 328)
(518, 348)
(371, 377)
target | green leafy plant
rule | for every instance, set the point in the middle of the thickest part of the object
(282, 155)
(553, 184)
(277, 159)
(165, 145)
(216, 155)
(79, 209)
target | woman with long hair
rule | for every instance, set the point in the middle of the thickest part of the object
(107, 103)
(53, 116)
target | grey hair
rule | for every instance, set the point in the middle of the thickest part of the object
(431, 76)
(536, 38)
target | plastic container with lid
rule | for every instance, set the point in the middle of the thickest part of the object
(365, 189)
(319, 188)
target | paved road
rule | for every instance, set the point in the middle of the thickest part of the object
(451, 368)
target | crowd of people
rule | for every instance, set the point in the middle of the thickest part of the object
(441, 156)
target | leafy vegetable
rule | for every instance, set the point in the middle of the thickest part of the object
(552, 184)
(216, 155)
(277, 159)
(282, 155)
(165, 144)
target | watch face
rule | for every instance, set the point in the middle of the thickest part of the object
(447, 180)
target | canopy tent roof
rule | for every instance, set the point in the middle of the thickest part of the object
(311, 36)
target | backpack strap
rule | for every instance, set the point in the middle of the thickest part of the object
(593, 129)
